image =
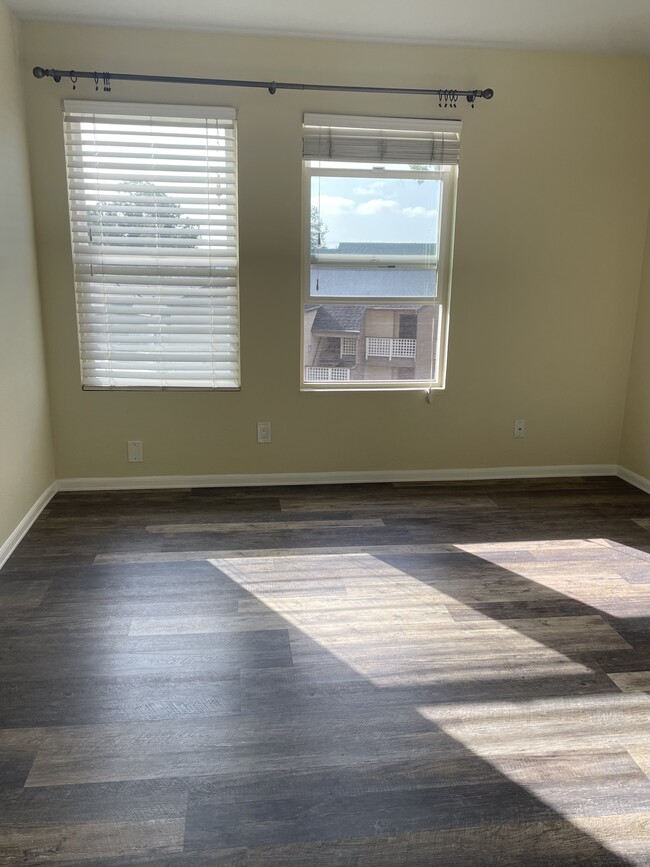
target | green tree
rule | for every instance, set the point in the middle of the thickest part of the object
(419, 168)
(162, 213)
(318, 229)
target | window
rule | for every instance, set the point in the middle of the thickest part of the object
(379, 200)
(153, 213)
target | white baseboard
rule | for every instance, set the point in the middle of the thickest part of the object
(9, 546)
(634, 479)
(125, 483)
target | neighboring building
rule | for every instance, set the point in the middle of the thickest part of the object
(349, 342)
(369, 342)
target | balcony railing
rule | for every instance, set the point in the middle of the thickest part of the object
(390, 347)
(327, 374)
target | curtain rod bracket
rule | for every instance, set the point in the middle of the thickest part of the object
(272, 86)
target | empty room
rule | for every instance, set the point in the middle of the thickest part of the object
(325, 433)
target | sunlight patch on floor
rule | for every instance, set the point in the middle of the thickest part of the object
(601, 573)
(395, 629)
(568, 752)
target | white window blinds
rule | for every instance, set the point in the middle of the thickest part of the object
(153, 211)
(342, 138)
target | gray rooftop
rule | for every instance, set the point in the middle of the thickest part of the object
(338, 317)
(378, 248)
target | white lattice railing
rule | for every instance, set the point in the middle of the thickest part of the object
(327, 374)
(390, 347)
(348, 346)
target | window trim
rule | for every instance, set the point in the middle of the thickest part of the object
(444, 265)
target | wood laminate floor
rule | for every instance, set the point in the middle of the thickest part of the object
(345, 676)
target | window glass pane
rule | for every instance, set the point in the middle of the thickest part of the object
(361, 343)
(374, 236)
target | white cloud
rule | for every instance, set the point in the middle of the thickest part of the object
(419, 211)
(370, 189)
(332, 206)
(374, 206)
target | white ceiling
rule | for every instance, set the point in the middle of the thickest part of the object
(584, 25)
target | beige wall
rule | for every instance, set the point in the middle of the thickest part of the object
(635, 445)
(379, 323)
(26, 464)
(552, 206)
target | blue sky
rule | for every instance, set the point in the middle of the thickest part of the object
(377, 209)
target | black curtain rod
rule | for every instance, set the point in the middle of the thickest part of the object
(450, 97)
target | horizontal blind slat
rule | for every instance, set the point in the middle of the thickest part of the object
(80, 153)
(171, 235)
(84, 215)
(163, 244)
(176, 177)
(91, 185)
(75, 115)
(145, 273)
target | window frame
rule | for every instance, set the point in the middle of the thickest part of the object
(444, 261)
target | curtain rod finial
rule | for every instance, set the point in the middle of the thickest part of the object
(39, 72)
(488, 93)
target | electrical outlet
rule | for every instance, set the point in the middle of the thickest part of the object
(134, 451)
(264, 431)
(520, 428)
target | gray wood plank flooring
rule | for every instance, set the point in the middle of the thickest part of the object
(434, 675)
